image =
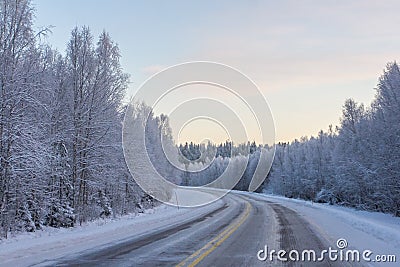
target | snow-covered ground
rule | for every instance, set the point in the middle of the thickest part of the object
(362, 230)
(32, 248)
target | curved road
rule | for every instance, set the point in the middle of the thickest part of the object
(230, 235)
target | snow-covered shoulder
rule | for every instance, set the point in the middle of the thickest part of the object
(363, 230)
(51, 243)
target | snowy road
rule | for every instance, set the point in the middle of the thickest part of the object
(229, 235)
(229, 232)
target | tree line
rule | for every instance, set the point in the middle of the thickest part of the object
(204, 163)
(61, 159)
(356, 164)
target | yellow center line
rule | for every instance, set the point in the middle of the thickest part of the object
(200, 254)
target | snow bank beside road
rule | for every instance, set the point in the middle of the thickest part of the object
(363, 230)
(33, 248)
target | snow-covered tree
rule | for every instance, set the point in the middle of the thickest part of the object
(23, 155)
(358, 165)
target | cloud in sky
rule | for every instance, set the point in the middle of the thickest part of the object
(307, 57)
(153, 69)
(305, 40)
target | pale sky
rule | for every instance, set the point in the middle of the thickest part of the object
(306, 57)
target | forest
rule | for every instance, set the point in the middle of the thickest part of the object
(60, 127)
(355, 164)
(62, 161)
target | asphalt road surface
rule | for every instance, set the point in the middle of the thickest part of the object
(230, 235)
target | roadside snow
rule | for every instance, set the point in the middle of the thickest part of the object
(362, 230)
(196, 196)
(33, 248)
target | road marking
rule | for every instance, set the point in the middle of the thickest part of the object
(200, 254)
